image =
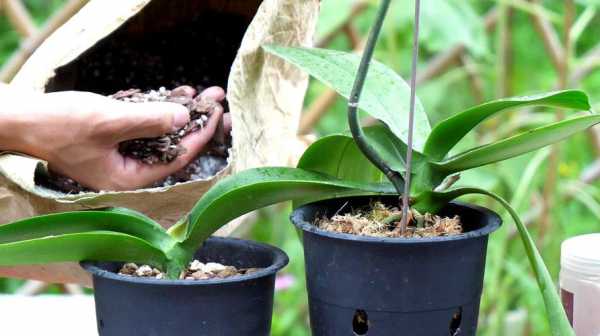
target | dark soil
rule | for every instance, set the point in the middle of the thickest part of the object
(379, 220)
(203, 167)
(196, 271)
(199, 51)
(166, 148)
(144, 54)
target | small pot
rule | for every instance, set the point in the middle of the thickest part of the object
(361, 285)
(234, 306)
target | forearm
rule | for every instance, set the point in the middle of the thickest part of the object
(16, 120)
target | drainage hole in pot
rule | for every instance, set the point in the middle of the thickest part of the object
(360, 322)
(101, 324)
(455, 322)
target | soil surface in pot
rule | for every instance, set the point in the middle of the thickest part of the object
(166, 148)
(380, 220)
(195, 271)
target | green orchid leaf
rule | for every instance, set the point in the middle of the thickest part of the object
(385, 96)
(389, 147)
(114, 219)
(449, 132)
(149, 221)
(393, 150)
(93, 245)
(517, 145)
(559, 323)
(339, 156)
(256, 188)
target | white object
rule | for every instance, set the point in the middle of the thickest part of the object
(65, 315)
(212, 267)
(580, 283)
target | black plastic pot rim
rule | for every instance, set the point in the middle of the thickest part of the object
(279, 262)
(300, 223)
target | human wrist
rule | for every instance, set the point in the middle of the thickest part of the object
(17, 121)
(14, 136)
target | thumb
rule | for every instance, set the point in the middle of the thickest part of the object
(137, 174)
(147, 120)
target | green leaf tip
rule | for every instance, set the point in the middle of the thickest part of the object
(385, 95)
(518, 144)
(446, 134)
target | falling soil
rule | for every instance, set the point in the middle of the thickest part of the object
(195, 271)
(166, 148)
(380, 220)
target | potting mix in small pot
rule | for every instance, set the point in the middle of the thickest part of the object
(364, 277)
(387, 251)
(137, 300)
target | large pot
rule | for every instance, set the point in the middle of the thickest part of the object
(392, 286)
(235, 306)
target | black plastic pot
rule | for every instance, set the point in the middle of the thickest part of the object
(127, 306)
(392, 286)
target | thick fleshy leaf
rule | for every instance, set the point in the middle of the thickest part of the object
(149, 221)
(559, 323)
(93, 245)
(256, 188)
(518, 144)
(386, 96)
(449, 132)
(339, 156)
(393, 151)
(389, 147)
(116, 220)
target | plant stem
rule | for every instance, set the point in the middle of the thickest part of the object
(411, 118)
(391, 219)
(357, 132)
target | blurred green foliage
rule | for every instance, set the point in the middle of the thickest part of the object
(510, 297)
(40, 10)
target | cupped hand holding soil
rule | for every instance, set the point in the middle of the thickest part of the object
(79, 133)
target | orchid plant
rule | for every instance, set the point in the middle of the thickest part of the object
(365, 161)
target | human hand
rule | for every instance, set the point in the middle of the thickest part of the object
(78, 134)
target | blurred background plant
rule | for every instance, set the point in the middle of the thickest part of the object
(472, 51)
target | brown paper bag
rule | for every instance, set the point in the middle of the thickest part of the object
(264, 93)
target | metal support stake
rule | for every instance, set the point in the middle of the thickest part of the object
(411, 116)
